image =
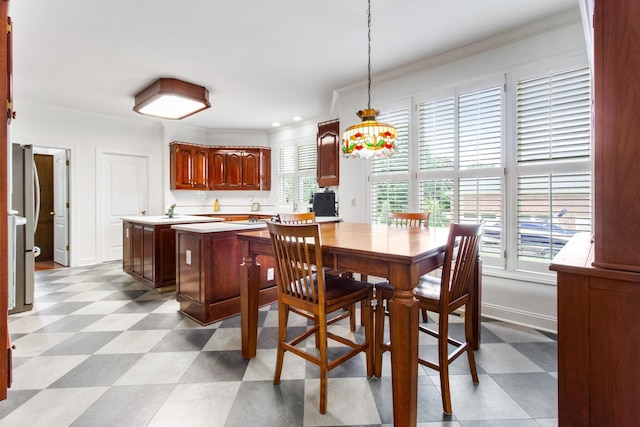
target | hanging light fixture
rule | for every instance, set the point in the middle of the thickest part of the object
(171, 99)
(369, 138)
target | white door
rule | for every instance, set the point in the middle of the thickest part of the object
(61, 208)
(123, 191)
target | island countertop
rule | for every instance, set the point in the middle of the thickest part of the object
(164, 219)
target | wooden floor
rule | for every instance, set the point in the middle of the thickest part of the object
(47, 265)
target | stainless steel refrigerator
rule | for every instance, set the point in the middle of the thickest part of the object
(24, 201)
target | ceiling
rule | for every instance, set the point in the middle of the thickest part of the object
(262, 61)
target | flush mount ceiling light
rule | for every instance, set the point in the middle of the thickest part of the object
(369, 138)
(171, 99)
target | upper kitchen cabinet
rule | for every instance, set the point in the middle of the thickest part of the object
(189, 166)
(328, 172)
(239, 168)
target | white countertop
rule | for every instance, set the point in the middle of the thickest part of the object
(163, 219)
(236, 225)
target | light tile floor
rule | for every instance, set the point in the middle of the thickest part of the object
(100, 349)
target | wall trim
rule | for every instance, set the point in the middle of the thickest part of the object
(520, 317)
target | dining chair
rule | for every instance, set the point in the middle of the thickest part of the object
(296, 249)
(310, 218)
(409, 219)
(443, 296)
(297, 218)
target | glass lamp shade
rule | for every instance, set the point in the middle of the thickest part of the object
(172, 99)
(369, 138)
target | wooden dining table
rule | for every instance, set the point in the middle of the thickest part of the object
(398, 254)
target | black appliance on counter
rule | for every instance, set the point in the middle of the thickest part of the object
(324, 204)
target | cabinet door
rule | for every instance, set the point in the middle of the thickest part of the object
(217, 169)
(180, 160)
(251, 170)
(328, 169)
(189, 167)
(147, 253)
(127, 247)
(233, 162)
(199, 168)
(265, 169)
(136, 249)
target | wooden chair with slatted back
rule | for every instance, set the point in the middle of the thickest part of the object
(296, 249)
(409, 219)
(310, 218)
(443, 296)
(297, 218)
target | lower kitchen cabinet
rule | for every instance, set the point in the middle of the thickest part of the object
(149, 253)
(208, 276)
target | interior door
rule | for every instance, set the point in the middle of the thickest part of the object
(61, 208)
(124, 191)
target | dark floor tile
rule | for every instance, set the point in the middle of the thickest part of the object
(82, 343)
(71, 323)
(98, 370)
(234, 321)
(536, 393)
(136, 405)
(184, 340)
(15, 398)
(268, 338)
(212, 366)
(158, 321)
(543, 354)
(63, 308)
(261, 403)
(122, 295)
(138, 306)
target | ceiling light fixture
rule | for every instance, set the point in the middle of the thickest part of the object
(171, 99)
(369, 138)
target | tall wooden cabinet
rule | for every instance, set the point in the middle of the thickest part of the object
(5, 87)
(599, 279)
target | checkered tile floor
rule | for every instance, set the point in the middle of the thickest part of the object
(100, 349)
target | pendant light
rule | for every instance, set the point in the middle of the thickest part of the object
(369, 138)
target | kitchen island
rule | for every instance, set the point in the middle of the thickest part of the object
(149, 247)
(208, 259)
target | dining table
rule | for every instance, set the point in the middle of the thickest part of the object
(398, 254)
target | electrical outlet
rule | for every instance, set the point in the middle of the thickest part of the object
(188, 257)
(270, 274)
(353, 202)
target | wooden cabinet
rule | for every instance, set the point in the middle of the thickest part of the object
(208, 276)
(328, 138)
(617, 132)
(599, 280)
(189, 166)
(239, 168)
(197, 167)
(149, 253)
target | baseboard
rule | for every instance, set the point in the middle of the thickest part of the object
(519, 317)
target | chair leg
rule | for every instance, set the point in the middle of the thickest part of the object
(378, 331)
(283, 317)
(324, 364)
(352, 317)
(369, 330)
(425, 317)
(443, 363)
(468, 332)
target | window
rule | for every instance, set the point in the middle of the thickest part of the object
(296, 172)
(553, 162)
(460, 159)
(521, 163)
(390, 175)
